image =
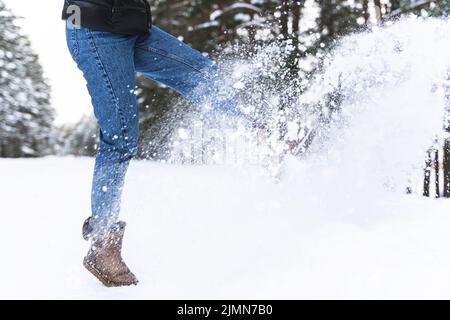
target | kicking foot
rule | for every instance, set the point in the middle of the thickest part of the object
(104, 259)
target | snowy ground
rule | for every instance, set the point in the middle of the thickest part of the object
(216, 233)
(337, 225)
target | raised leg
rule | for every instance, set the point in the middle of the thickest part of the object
(163, 58)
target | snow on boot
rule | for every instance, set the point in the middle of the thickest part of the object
(104, 259)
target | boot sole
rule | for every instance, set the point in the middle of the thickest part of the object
(106, 282)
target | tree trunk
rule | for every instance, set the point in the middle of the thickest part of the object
(426, 180)
(296, 9)
(436, 174)
(446, 156)
(296, 12)
(378, 13)
(447, 168)
(366, 14)
(285, 19)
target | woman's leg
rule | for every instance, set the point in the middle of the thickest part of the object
(163, 58)
(107, 63)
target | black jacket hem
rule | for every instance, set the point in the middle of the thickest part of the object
(129, 17)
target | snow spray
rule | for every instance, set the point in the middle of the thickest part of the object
(388, 85)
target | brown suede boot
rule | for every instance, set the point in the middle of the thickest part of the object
(104, 259)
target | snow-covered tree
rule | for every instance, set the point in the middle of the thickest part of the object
(78, 139)
(26, 117)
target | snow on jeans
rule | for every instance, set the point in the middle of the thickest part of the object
(109, 63)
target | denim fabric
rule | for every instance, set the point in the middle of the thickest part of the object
(109, 63)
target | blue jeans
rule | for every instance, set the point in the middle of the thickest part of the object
(109, 63)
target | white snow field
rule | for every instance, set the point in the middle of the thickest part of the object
(338, 224)
(216, 233)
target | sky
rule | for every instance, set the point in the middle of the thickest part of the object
(42, 23)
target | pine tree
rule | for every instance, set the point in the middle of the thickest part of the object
(338, 18)
(437, 8)
(206, 24)
(78, 139)
(26, 118)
